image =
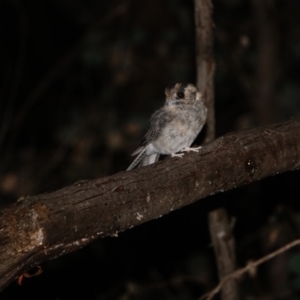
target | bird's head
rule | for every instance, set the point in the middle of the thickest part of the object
(182, 92)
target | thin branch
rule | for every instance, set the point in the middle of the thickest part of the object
(267, 62)
(224, 245)
(45, 226)
(205, 61)
(249, 268)
(224, 248)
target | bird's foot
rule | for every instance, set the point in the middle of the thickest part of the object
(188, 149)
(177, 155)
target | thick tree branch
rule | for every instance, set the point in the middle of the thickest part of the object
(49, 225)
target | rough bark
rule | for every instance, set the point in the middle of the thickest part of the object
(49, 225)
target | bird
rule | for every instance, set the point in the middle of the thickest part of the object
(173, 127)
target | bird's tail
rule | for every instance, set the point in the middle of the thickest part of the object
(138, 159)
(150, 159)
(143, 160)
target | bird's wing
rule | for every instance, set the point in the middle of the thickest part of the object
(157, 123)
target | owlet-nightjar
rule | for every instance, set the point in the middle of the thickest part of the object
(174, 127)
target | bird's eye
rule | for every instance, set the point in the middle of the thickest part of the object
(180, 95)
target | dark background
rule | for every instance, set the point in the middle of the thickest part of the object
(80, 80)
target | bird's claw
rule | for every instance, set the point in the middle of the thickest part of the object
(177, 155)
(188, 149)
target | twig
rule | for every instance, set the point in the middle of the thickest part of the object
(250, 267)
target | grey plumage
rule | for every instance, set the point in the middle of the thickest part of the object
(174, 127)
